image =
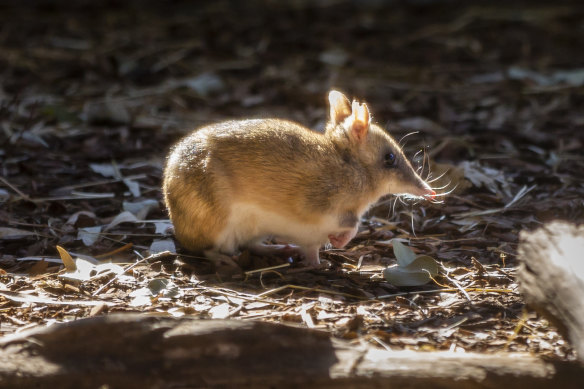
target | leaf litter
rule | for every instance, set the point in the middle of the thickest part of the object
(88, 113)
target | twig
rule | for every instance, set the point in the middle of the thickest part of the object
(75, 196)
(251, 272)
(459, 287)
(243, 296)
(154, 256)
(266, 272)
(290, 286)
(382, 343)
(522, 192)
(517, 329)
(18, 191)
(101, 182)
(385, 296)
(125, 247)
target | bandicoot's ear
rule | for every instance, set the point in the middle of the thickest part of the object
(359, 121)
(340, 107)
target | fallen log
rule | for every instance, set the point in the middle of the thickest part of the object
(551, 277)
(145, 351)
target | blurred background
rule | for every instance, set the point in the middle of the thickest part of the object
(88, 85)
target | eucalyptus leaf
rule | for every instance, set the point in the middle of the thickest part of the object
(85, 270)
(158, 285)
(163, 288)
(424, 262)
(140, 208)
(403, 254)
(418, 272)
(400, 277)
(141, 297)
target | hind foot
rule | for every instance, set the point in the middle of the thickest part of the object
(221, 260)
(309, 255)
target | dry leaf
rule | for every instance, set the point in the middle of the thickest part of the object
(67, 259)
(124, 217)
(14, 233)
(89, 235)
(220, 311)
(38, 268)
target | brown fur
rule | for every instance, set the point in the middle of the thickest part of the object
(283, 167)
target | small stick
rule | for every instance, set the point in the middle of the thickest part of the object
(250, 272)
(385, 296)
(125, 247)
(18, 191)
(459, 287)
(155, 256)
(290, 286)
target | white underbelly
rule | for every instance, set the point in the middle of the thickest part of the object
(249, 222)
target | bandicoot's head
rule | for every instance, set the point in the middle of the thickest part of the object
(350, 126)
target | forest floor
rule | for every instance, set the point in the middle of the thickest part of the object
(92, 97)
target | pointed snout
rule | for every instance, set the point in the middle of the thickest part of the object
(428, 193)
(425, 191)
(420, 189)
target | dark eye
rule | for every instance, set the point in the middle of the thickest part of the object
(389, 159)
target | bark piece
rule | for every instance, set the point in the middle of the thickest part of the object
(551, 277)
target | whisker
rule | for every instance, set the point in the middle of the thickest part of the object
(401, 200)
(416, 155)
(445, 193)
(405, 136)
(442, 187)
(412, 219)
(393, 207)
(426, 158)
(437, 178)
(420, 168)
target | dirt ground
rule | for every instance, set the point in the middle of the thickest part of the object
(93, 96)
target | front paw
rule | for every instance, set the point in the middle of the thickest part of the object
(310, 255)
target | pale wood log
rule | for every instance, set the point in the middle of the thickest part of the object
(142, 351)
